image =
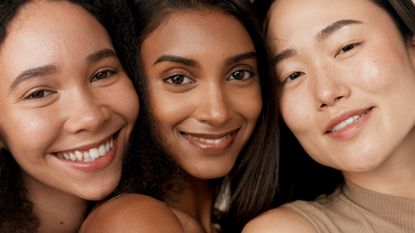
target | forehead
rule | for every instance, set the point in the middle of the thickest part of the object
(45, 32)
(199, 30)
(288, 18)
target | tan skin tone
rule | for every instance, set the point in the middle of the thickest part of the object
(348, 84)
(64, 92)
(205, 98)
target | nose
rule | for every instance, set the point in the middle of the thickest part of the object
(86, 114)
(329, 88)
(213, 105)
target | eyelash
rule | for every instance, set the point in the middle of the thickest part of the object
(245, 72)
(108, 72)
(346, 48)
(293, 76)
(33, 95)
(178, 77)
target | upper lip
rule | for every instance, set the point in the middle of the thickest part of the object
(215, 135)
(89, 146)
(336, 120)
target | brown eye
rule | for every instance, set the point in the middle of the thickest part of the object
(347, 48)
(38, 94)
(294, 76)
(178, 80)
(241, 75)
(103, 75)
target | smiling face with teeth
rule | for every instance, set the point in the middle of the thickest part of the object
(67, 106)
(203, 89)
(347, 81)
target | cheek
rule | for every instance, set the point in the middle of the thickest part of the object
(29, 132)
(129, 102)
(296, 111)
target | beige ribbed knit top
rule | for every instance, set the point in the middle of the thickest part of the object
(354, 209)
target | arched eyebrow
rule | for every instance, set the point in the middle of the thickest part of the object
(190, 62)
(50, 69)
(33, 73)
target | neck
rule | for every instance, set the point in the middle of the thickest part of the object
(195, 201)
(395, 176)
(58, 212)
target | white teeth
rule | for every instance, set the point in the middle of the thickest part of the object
(210, 141)
(88, 155)
(94, 153)
(78, 155)
(346, 123)
(72, 155)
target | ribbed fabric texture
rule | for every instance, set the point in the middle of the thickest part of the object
(354, 209)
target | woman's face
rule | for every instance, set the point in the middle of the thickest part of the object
(347, 79)
(67, 107)
(204, 89)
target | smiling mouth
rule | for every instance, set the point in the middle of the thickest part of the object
(211, 142)
(88, 154)
(348, 122)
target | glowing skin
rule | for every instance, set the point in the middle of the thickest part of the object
(63, 91)
(204, 90)
(348, 84)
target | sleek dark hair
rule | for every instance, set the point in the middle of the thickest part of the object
(16, 212)
(253, 179)
(406, 10)
(300, 177)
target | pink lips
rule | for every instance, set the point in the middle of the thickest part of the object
(99, 163)
(348, 124)
(211, 143)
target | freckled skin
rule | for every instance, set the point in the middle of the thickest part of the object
(66, 108)
(378, 72)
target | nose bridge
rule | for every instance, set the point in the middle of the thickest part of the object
(328, 85)
(86, 112)
(213, 107)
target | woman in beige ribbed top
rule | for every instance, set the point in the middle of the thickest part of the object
(347, 79)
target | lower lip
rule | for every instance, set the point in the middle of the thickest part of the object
(212, 148)
(351, 130)
(99, 163)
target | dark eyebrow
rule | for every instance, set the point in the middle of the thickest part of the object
(95, 57)
(175, 59)
(283, 55)
(51, 69)
(33, 73)
(329, 30)
(241, 57)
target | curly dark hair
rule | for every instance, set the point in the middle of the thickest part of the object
(16, 211)
(253, 179)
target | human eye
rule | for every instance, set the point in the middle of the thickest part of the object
(241, 75)
(293, 76)
(346, 48)
(38, 94)
(103, 74)
(178, 79)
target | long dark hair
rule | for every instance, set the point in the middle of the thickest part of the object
(300, 177)
(16, 211)
(253, 180)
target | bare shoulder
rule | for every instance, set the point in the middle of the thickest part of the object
(281, 219)
(132, 213)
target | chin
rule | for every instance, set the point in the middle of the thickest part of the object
(209, 173)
